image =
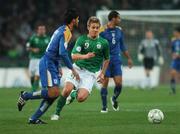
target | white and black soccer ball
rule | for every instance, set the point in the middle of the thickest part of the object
(155, 116)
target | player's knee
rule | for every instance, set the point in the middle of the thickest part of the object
(36, 77)
(66, 92)
(81, 98)
(53, 92)
(119, 84)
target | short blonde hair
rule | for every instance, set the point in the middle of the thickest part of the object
(93, 19)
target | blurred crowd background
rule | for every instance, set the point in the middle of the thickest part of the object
(19, 18)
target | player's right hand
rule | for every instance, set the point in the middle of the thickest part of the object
(90, 55)
(76, 75)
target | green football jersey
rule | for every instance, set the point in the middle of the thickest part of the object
(99, 46)
(40, 42)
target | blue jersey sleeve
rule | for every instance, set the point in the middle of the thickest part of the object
(64, 53)
(122, 45)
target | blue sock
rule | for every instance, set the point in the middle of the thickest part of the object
(117, 91)
(45, 104)
(104, 93)
(36, 95)
(173, 85)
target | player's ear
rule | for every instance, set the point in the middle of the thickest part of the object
(74, 21)
(88, 27)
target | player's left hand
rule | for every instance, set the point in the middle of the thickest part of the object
(100, 78)
(130, 63)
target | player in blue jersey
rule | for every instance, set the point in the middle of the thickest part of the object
(175, 64)
(49, 68)
(115, 37)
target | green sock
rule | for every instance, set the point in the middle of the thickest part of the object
(32, 80)
(74, 94)
(35, 85)
(60, 104)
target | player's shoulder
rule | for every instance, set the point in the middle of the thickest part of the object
(119, 28)
(67, 33)
(103, 40)
(156, 41)
(32, 37)
(175, 41)
(81, 39)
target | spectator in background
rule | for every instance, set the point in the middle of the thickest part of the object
(149, 51)
(36, 46)
(175, 64)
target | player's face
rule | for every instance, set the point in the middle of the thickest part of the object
(149, 35)
(176, 34)
(41, 30)
(94, 29)
(117, 20)
(76, 22)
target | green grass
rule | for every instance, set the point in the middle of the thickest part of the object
(85, 118)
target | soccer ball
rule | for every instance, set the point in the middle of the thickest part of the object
(155, 116)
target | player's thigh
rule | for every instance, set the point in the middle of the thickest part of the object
(68, 87)
(87, 80)
(148, 63)
(82, 94)
(71, 78)
(116, 68)
(108, 70)
(117, 80)
(49, 74)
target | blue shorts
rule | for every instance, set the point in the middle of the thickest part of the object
(175, 64)
(49, 72)
(114, 68)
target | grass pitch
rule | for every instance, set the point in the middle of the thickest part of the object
(85, 118)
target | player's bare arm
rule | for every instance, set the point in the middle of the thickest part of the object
(127, 55)
(100, 78)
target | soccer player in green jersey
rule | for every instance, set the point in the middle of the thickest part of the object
(36, 46)
(90, 52)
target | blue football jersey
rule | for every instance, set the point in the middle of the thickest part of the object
(176, 46)
(115, 38)
(57, 47)
(175, 64)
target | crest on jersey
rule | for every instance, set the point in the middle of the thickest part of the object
(55, 81)
(78, 49)
(86, 45)
(98, 46)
